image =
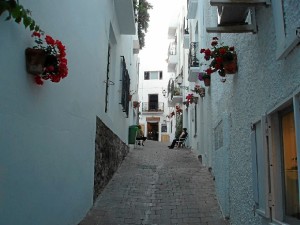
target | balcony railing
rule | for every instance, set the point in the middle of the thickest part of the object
(172, 48)
(152, 107)
(193, 60)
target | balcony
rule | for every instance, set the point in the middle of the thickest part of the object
(136, 47)
(192, 7)
(193, 61)
(172, 57)
(125, 16)
(236, 16)
(176, 96)
(152, 107)
(172, 30)
(186, 40)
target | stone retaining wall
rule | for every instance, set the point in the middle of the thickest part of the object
(110, 151)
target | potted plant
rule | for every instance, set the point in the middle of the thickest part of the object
(142, 18)
(205, 77)
(186, 103)
(136, 104)
(47, 59)
(178, 109)
(199, 90)
(223, 58)
(190, 98)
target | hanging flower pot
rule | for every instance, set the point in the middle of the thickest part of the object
(230, 67)
(195, 100)
(202, 92)
(35, 60)
(47, 59)
(129, 97)
(136, 104)
(206, 81)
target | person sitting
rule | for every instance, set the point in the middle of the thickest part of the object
(140, 135)
(182, 135)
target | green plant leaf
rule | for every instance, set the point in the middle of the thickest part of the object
(27, 21)
(32, 25)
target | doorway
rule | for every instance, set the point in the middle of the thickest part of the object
(153, 102)
(152, 133)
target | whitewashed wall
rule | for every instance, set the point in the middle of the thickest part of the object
(261, 83)
(47, 133)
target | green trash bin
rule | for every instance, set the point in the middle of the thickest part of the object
(132, 134)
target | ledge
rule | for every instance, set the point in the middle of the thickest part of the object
(125, 16)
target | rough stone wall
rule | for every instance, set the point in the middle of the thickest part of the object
(110, 151)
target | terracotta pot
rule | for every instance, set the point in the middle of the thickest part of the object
(230, 67)
(206, 82)
(35, 60)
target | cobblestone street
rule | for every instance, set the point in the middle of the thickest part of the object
(157, 185)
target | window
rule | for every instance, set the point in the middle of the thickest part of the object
(125, 86)
(218, 131)
(275, 166)
(164, 128)
(287, 33)
(153, 102)
(153, 75)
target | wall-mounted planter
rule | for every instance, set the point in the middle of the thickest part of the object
(206, 81)
(231, 66)
(202, 92)
(35, 60)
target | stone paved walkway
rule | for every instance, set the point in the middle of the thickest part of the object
(158, 186)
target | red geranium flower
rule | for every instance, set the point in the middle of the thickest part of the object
(218, 54)
(56, 64)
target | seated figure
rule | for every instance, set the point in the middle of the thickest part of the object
(182, 136)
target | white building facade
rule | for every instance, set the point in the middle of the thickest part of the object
(246, 129)
(47, 135)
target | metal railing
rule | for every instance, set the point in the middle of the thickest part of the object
(193, 60)
(125, 86)
(152, 107)
(172, 48)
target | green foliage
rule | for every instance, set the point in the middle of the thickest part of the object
(142, 17)
(18, 13)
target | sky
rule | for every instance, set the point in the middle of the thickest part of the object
(156, 41)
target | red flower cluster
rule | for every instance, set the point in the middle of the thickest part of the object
(189, 98)
(178, 109)
(56, 64)
(219, 54)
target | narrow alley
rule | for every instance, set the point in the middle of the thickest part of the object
(157, 185)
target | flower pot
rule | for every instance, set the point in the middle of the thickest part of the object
(230, 67)
(206, 82)
(35, 60)
(202, 92)
(129, 97)
(136, 104)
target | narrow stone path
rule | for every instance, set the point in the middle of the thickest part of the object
(158, 186)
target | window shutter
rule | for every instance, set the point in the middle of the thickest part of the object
(265, 176)
(254, 166)
(260, 171)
